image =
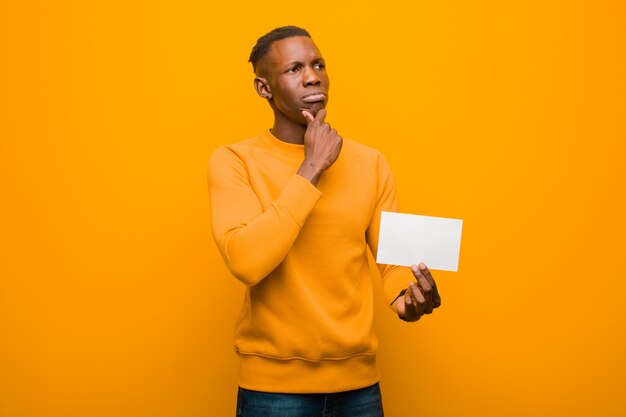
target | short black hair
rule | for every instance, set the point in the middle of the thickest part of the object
(263, 44)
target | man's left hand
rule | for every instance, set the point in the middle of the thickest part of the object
(421, 297)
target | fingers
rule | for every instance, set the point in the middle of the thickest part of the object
(421, 297)
(429, 277)
(426, 288)
(408, 312)
(426, 272)
(308, 116)
(423, 305)
(320, 116)
(416, 294)
(411, 308)
(318, 119)
(413, 303)
(421, 279)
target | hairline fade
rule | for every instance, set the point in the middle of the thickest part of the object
(263, 44)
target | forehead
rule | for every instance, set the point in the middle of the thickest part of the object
(295, 48)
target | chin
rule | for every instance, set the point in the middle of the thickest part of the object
(312, 108)
(315, 107)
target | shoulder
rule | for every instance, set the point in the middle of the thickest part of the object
(229, 161)
(233, 153)
(359, 149)
(363, 153)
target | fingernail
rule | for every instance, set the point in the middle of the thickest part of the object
(422, 266)
(414, 268)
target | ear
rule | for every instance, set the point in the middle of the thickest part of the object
(262, 88)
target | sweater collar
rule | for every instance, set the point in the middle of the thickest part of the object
(276, 143)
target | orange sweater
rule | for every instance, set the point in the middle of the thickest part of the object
(301, 251)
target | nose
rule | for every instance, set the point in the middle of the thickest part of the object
(310, 76)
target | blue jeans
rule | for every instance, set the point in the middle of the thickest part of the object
(363, 402)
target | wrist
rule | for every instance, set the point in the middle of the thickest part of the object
(310, 171)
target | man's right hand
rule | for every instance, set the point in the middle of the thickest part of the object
(322, 145)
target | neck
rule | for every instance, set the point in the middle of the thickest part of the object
(288, 130)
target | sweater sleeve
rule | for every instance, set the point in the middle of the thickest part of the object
(395, 278)
(253, 241)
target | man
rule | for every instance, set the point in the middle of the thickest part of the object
(293, 212)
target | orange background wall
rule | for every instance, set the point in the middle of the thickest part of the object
(509, 115)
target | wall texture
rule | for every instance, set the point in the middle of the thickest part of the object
(510, 115)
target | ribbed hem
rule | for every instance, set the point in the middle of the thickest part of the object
(301, 377)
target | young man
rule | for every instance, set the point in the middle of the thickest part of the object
(294, 211)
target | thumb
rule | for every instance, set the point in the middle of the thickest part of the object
(307, 116)
(400, 306)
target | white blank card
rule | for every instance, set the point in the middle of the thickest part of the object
(407, 239)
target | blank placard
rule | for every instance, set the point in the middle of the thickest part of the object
(407, 239)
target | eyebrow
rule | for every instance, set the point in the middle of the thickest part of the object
(291, 63)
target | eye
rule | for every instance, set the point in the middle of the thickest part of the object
(293, 69)
(320, 66)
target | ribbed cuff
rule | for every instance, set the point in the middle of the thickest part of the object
(299, 197)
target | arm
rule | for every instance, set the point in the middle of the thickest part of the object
(253, 241)
(395, 278)
(410, 292)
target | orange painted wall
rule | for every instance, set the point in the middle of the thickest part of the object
(509, 115)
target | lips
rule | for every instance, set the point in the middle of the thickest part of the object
(314, 97)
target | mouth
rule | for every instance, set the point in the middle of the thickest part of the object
(314, 97)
